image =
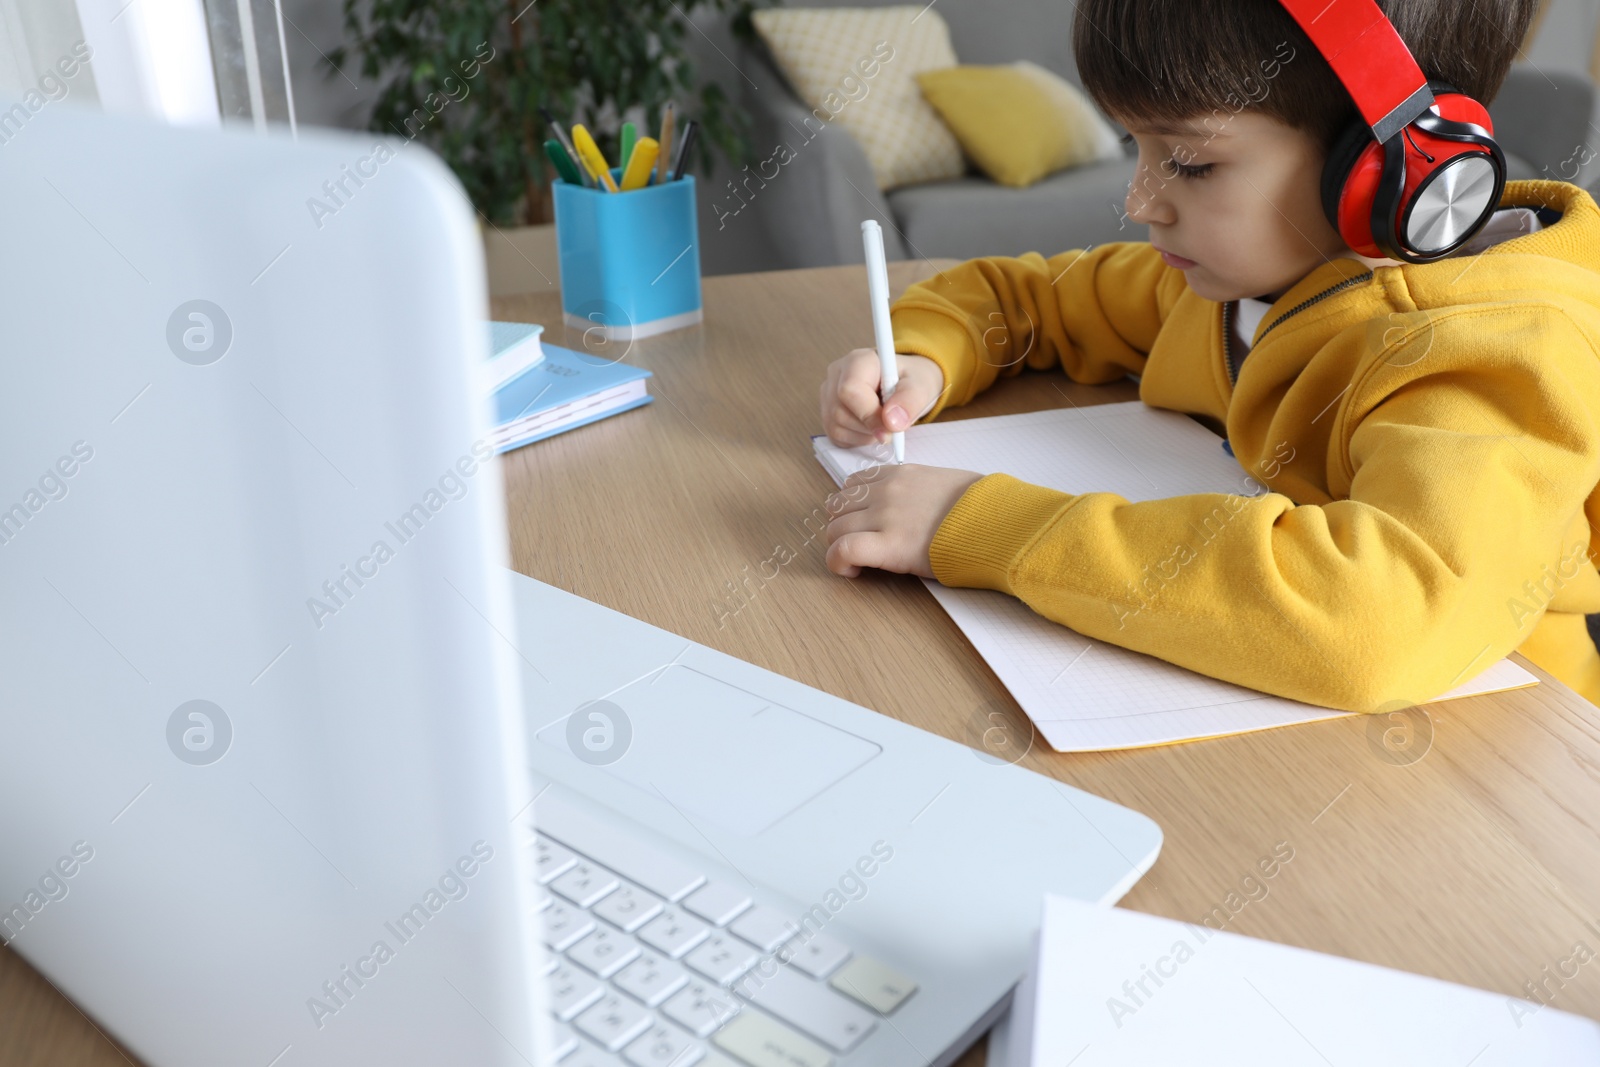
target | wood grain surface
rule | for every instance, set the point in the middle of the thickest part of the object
(1477, 862)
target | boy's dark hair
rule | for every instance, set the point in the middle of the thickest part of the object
(1165, 60)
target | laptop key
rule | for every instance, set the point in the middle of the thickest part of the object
(664, 1046)
(701, 1008)
(613, 1021)
(628, 907)
(550, 860)
(674, 933)
(812, 1007)
(564, 925)
(571, 991)
(605, 952)
(589, 1056)
(761, 1041)
(630, 856)
(717, 903)
(650, 979)
(765, 928)
(873, 984)
(585, 883)
(563, 1042)
(818, 956)
(722, 958)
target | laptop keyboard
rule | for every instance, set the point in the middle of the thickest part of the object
(652, 964)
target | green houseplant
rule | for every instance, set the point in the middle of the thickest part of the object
(467, 77)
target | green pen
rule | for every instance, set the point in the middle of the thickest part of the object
(563, 162)
(630, 134)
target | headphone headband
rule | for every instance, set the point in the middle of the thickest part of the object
(1366, 52)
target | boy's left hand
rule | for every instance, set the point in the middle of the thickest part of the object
(891, 525)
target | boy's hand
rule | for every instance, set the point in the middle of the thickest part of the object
(851, 414)
(886, 516)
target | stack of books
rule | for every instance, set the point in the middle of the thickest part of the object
(541, 390)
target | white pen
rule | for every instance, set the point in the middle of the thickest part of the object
(878, 290)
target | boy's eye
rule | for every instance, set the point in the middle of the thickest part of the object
(1188, 170)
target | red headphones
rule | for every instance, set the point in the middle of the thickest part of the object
(1418, 175)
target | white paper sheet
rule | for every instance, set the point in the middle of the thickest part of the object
(1115, 987)
(1086, 695)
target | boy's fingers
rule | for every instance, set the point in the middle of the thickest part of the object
(858, 381)
(847, 438)
(847, 555)
(844, 428)
(841, 416)
(895, 415)
(858, 385)
(860, 398)
(838, 558)
(904, 406)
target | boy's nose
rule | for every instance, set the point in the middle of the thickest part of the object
(1145, 202)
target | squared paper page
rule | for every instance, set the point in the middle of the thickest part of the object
(1126, 988)
(1086, 695)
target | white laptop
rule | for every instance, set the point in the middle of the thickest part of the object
(280, 723)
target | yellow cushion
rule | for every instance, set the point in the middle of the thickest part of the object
(856, 67)
(1019, 122)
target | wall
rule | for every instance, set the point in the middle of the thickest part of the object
(1567, 41)
(33, 35)
(322, 97)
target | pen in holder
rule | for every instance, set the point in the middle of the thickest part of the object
(630, 262)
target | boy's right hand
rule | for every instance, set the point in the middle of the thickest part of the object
(851, 413)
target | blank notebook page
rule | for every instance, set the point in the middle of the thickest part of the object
(1085, 695)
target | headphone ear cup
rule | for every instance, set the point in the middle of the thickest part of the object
(1459, 107)
(1349, 184)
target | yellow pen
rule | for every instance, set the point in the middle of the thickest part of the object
(640, 164)
(589, 154)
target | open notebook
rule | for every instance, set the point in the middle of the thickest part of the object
(1085, 695)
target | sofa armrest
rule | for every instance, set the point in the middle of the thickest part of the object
(1543, 117)
(811, 184)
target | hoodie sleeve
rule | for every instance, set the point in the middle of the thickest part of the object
(1094, 312)
(1458, 478)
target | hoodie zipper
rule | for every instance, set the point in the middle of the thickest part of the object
(1230, 309)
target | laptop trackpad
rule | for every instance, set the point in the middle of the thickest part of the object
(715, 751)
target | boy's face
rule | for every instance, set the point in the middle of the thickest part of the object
(1234, 202)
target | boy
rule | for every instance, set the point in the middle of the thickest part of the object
(1427, 434)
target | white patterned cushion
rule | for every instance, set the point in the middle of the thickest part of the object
(857, 67)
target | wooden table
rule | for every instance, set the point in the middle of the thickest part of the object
(1478, 862)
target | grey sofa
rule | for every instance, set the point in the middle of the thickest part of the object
(809, 214)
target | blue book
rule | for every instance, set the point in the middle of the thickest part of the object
(565, 390)
(514, 349)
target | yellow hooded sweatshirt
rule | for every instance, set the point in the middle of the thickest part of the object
(1428, 437)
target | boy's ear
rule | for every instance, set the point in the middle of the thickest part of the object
(1342, 157)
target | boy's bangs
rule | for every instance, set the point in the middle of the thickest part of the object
(1153, 63)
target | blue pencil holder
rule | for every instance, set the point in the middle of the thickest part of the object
(630, 262)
